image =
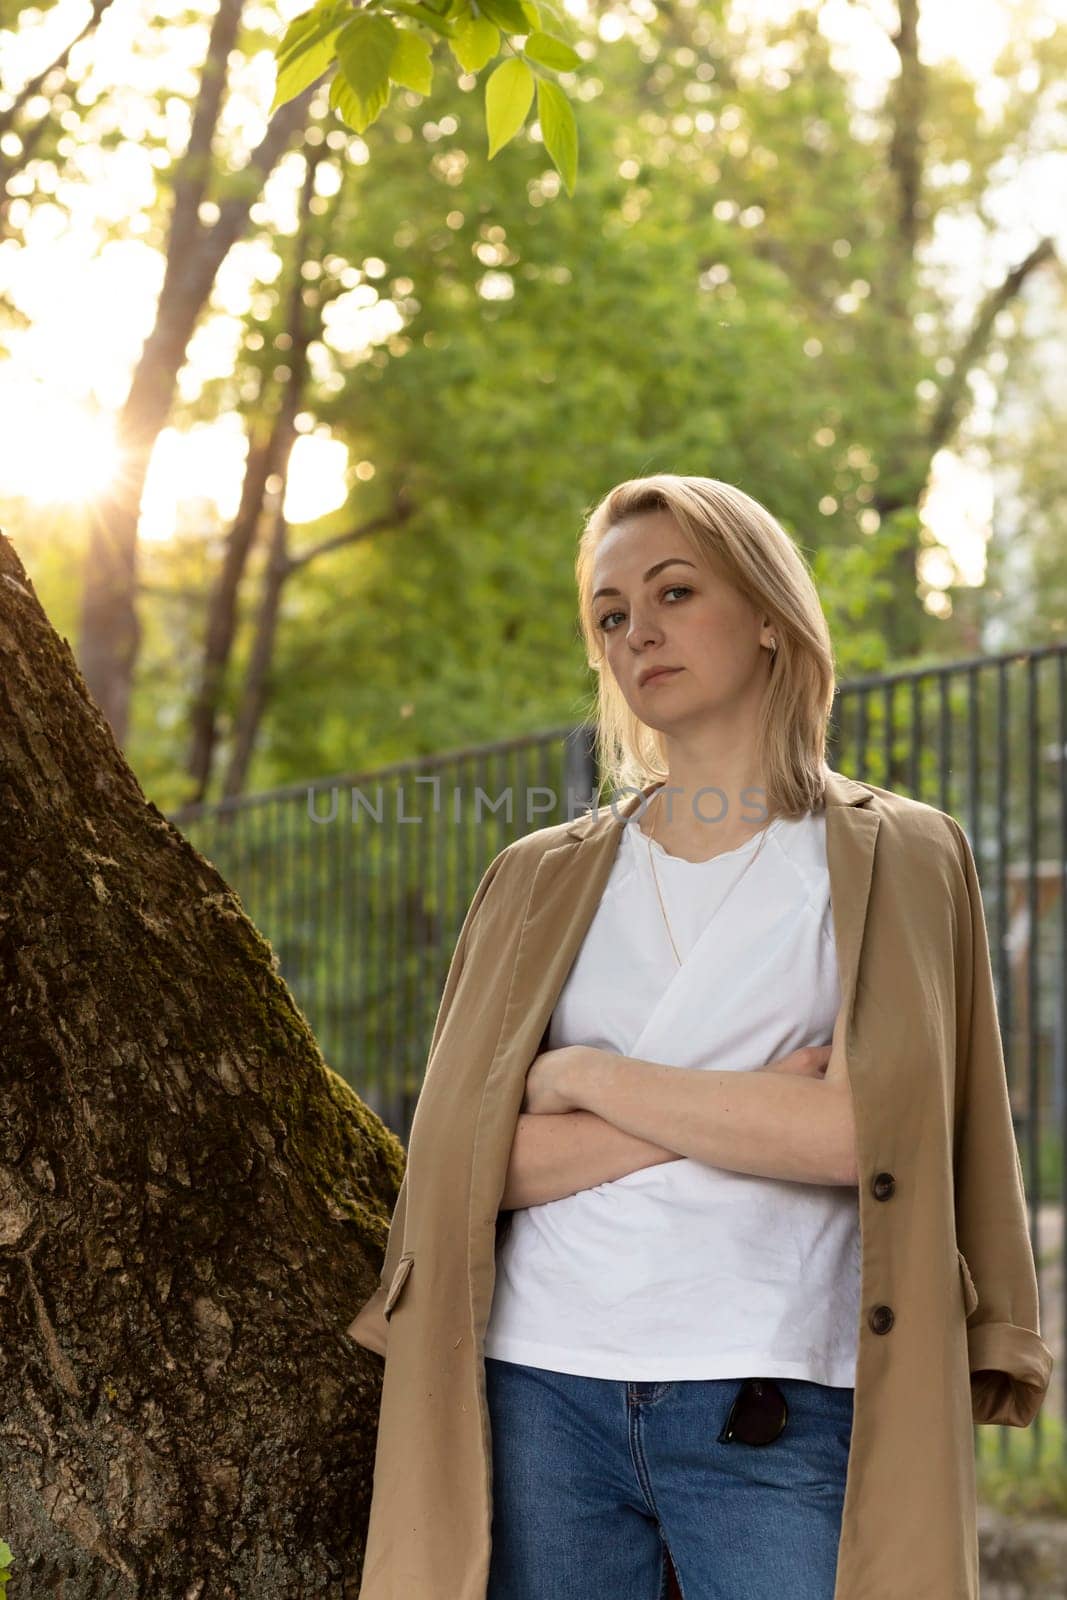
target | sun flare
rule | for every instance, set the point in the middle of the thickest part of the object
(57, 451)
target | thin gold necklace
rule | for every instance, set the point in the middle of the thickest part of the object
(655, 879)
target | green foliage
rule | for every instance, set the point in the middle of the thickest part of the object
(552, 52)
(719, 295)
(559, 129)
(307, 49)
(5, 1567)
(410, 64)
(508, 93)
(365, 50)
(1023, 1471)
(475, 41)
(372, 51)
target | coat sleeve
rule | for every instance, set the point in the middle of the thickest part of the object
(1010, 1364)
(370, 1326)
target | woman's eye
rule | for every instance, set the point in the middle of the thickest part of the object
(674, 588)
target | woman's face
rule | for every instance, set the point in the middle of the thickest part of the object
(672, 610)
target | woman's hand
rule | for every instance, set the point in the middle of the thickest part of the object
(825, 1061)
(545, 1090)
(810, 1061)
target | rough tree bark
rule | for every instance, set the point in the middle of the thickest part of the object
(192, 1205)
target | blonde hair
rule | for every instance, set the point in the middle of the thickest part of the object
(742, 541)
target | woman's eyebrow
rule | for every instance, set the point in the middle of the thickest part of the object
(651, 573)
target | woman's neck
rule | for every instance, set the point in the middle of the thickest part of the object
(704, 821)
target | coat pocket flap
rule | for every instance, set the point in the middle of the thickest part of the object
(368, 1325)
(403, 1267)
(970, 1293)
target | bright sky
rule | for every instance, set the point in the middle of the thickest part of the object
(90, 300)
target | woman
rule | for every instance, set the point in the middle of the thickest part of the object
(634, 1298)
(729, 1314)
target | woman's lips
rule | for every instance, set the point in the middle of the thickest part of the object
(661, 676)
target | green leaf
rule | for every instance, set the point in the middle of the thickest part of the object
(365, 51)
(559, 130)
(410, 8)
(348, 105)
(531, 13)
(306, 50)
(551, 52)
(475, 41)
(310, 26)
(508, 93)
(411, 64)
(303, 68)
(554, 10)
(299, 33)
(507, 14)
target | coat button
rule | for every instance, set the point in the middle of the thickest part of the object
(883, 1185)
(881, 1319)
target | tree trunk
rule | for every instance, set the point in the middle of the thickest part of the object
(192, 1205)
(255, 690)
(264, 461)
(110, 632)
(222, 611)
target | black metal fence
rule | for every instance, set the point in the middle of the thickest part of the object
(361, 882)
(986, 740)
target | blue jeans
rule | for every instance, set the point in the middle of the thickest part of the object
(596, 1479)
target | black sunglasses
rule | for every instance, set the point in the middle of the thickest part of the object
(758, 1414)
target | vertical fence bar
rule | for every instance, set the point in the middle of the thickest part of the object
(359, 915)
(1060, 1064)
(888, 734)
(401, 952)
(1033, 946)
(973, 736)
(1003, 968)
(944, 751)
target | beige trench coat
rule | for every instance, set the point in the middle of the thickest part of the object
(948, 1327)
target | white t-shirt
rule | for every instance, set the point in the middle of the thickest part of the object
(685, 1270)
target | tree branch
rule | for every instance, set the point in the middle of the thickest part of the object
(905, 145)
(945, 418)
(194, 168)
(388, 521)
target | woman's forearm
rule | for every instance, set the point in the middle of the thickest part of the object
(554, 1155)
(770, 1124)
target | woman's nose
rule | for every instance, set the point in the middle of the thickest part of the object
(642, 630)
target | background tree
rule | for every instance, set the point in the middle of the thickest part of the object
(110, 630)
